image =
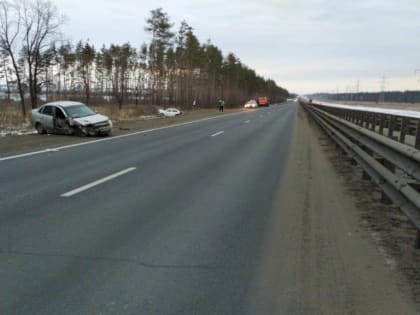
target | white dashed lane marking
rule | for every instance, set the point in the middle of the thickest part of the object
(97, 182)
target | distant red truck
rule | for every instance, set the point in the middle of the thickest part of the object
(263, 101)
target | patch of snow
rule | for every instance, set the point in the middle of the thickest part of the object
(395, 112)
(149, 117)
(16, 131)
(389, 260)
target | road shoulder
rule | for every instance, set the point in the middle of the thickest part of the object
(320, 259)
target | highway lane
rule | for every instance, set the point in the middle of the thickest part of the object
(182, 232)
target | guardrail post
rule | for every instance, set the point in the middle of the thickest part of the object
(381, 124)
(353, 117)
(411, 127)
(403, 130)
(417, 140)
(391, 126)
(372, 122)
(375, 121)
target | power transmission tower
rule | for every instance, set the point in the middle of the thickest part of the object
(357, 90)
(383, 87)
(415, 73)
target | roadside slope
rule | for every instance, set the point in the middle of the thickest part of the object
(20, 144)
(319, 259)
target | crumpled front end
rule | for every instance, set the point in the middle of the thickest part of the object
(96, 129)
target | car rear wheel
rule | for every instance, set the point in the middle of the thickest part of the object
(40, 128)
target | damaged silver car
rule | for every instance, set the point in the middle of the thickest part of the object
(70, 118)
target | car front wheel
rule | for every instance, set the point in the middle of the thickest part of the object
(79, 131)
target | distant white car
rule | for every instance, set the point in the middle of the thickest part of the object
(251, 104)
(170, 112)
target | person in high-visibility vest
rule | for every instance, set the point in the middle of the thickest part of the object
(221, 105)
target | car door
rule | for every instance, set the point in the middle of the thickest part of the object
(47, 117)
(60, 120)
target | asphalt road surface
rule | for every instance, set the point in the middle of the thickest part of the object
(171, 221)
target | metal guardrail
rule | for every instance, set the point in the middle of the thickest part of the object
(386, 147)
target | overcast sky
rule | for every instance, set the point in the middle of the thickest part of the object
(306, 46)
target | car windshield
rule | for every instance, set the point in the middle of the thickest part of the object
(78, 111)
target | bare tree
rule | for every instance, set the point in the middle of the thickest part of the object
(40, 22)
(10, 31)
(5, 70)
(28, 28)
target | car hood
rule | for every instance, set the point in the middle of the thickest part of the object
(91, 119)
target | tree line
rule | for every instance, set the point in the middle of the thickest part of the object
(174, 68)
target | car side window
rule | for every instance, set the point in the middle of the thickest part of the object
(59, 113)
(48, 110)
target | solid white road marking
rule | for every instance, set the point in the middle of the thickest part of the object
(247, 122)
(217, 133)
(96, 182)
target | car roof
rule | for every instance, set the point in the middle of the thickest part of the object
(64, 103)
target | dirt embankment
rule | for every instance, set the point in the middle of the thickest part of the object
(333, 248)
(17, 144)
